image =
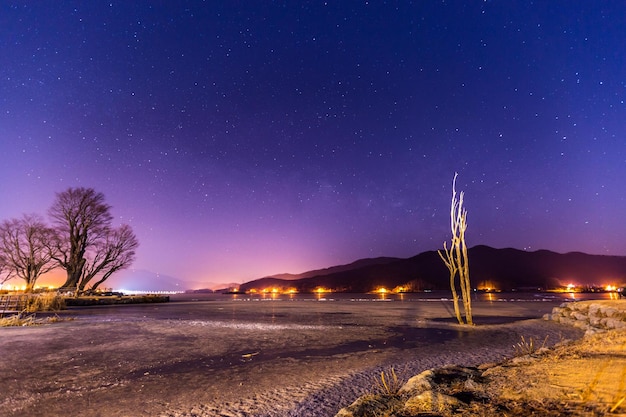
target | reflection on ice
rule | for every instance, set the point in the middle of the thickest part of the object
(254, 326)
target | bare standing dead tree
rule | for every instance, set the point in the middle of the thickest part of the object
(456, 258)
(26, 250)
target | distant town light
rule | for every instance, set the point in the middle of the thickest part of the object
(142, 292)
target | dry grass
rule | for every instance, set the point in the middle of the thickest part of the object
(57, 319)
(19, 319)
(389, 383)
(589, 376)
(24, 319)
(47, 301)
(528, 347)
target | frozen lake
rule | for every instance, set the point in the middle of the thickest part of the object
(369, 310)
(249, 356)
(403, 297)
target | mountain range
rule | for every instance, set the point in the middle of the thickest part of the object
(502, 269)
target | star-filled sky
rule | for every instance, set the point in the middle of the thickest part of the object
(247, 138)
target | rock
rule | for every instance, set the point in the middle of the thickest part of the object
(522, 360)
(610, 311)
(370, 405)
(431, 401)
(595, 321)
(471, 385)
(344, 412)
(580, 316)
(592, 331)
(592, 317)
(594, 309)
(581, 306)
(542, 351)
(418, 383)
(566, 320)
(614, 323)
(487, 365)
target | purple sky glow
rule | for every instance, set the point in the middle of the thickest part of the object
(250, 138)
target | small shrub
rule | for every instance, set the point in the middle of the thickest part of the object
(529, 347)
(389, 383)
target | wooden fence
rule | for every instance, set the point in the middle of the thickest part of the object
(12, 304)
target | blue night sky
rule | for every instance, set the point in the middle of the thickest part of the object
(247, 138)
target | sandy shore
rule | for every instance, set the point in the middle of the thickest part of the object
(487, 344)
(245, 359)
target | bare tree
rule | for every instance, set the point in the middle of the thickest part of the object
(110, 255)
(82, 220)
(26, 249)
(456, 257)
(5, 272)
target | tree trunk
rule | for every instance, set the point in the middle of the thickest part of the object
(466, 286)
(453, 268)
(73, 275)
(455, 300)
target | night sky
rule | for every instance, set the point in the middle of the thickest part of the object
(250, 138)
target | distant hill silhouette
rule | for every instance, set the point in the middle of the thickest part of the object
(503, 269)
(335, 269)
